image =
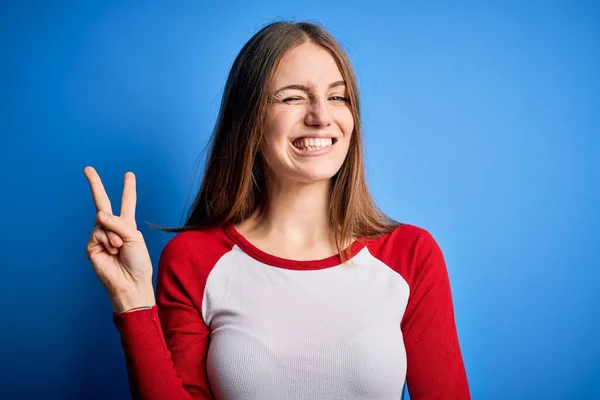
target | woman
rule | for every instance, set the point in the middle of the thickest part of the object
(286, 281)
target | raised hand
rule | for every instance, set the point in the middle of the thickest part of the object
(117, 249)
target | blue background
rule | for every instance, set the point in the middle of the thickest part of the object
(481, 126)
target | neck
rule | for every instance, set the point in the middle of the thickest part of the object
(296, 212)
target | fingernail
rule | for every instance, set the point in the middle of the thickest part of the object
(102, 215)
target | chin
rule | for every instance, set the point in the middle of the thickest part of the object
(316, 175)
(306, 173)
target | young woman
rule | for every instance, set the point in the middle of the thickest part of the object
(286, 281)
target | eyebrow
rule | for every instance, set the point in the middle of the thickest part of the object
(306, 88)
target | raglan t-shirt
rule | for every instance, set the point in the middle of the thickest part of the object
(234, 322)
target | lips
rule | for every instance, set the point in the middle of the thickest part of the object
(310, 143)
(316, 136)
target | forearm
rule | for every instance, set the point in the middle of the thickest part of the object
(150, 369)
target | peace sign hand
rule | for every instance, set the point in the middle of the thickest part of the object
(117, 250)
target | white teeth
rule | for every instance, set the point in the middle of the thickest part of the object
(312, 144)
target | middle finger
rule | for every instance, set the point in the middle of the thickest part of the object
(101, 200)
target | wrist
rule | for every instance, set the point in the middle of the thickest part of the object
(133, 299)
(136, 309)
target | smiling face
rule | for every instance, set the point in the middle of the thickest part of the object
(309, 120)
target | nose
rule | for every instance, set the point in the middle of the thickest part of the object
(318, 114)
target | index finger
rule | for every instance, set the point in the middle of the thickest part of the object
(101, 199)
(129, 197)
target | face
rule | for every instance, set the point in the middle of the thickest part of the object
(309, 122)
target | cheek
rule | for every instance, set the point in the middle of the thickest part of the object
(282, 119)
(277, 131)
(346, 123)
(271, 151)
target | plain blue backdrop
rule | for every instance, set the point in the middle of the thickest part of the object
(481, 123)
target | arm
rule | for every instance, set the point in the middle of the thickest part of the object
(435, 364)
(171, 365)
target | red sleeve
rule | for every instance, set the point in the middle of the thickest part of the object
(170, 366)
(435, 368)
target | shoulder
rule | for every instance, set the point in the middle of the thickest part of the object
(403, 238)
(408, 249)
(197, 240)
(195, 251)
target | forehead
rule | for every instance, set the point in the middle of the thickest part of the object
(308, 64)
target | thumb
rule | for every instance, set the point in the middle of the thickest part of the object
(118, 225)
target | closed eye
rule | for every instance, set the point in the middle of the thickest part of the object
(333, 98)
(288, 99)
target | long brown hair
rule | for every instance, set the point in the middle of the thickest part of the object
(233, 186)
